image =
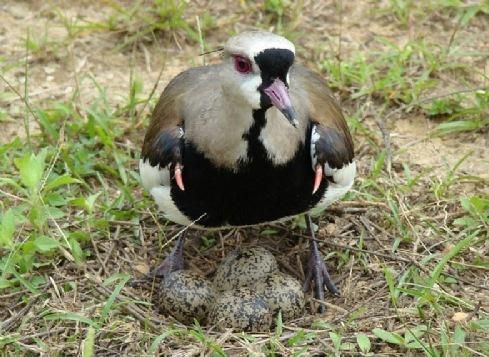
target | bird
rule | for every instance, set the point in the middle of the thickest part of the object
(254, 139)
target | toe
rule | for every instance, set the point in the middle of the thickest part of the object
(328, 282)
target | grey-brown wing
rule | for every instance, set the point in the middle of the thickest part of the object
(164, 137)
(330, 138)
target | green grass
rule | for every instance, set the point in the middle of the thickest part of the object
(403, 76)
(78, 168)
(74, 221)
(146, 21)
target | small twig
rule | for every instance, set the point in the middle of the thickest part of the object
(376, 226)
(176, 41)
(13, 196)
(452, 36)
(139, 122)
(330, 305)
(386, 137)
(363, 204)
(224, 337)
(112, 247)
(365, 223)
(19, 95)
(212, 51)
(12, 321)
(42, 334)
(355, 207)
(201, 39)
(474, 312)
(147, 57)
(97, 255)
(26, 92)
(129, 307)
(289, 269)
(124, 223)
(23, 291)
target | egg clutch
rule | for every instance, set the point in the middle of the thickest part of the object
(246, 293)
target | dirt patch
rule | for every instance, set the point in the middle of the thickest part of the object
(439, 155)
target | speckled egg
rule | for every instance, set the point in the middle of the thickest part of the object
(186, 296)
(244, 267)
(282, 292)
(241, 309)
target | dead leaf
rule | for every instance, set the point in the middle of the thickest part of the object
(331, 228)
(142, 268)
(459, 316)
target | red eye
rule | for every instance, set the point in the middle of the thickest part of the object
(242, 64)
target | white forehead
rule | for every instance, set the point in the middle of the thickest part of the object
(252, 43)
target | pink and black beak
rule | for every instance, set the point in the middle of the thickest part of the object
(278, 93)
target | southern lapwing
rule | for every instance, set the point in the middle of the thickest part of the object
(254, 139)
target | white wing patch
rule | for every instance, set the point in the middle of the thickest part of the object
(343, 181)
(314, 139)
(153, 176)
(165, 203)
(157, 181)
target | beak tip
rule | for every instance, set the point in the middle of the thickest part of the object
(291, 116)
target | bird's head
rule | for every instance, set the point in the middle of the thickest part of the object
(257, 67)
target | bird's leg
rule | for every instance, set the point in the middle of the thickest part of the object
(172, 262)
(316, 269)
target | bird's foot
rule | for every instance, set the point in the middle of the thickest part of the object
(317, 271)
(171, 263)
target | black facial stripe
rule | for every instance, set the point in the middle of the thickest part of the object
(265, 101)
(274, 63)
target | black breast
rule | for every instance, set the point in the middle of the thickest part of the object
(257, 192)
